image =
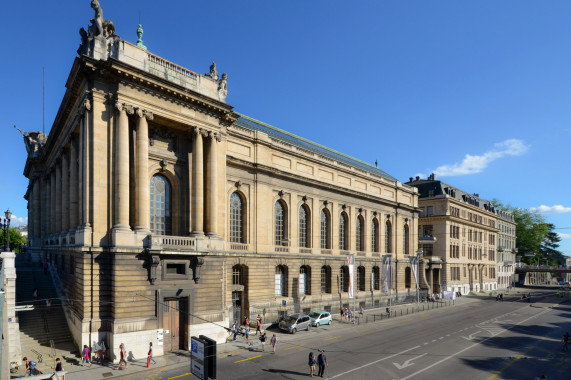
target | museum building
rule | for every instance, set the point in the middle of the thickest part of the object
(166, 214)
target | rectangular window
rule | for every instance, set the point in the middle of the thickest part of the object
(428, 210)
(278, 285)
(176, 268)
(302, 283)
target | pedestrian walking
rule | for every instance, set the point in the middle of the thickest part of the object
(274, 342)
(259, 324)
(263, 341)
(311, 363)
(150, 355)
(248, 335)
(341, 311)
(565, 340)
(122, 357)
(85, 357)
(246, 321)
(58, 365)
(322, 363)
(361, 311)
(235, 329)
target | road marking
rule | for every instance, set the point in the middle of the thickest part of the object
(335, 337)
(243, 360)
(408, 362)
(470, 337)
(375, 362)
(433, 340)
(441, 338)
(469, 347)
(186, 374)
(290, 348)
(514, 360)
(361, 331)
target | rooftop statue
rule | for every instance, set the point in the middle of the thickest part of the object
(213, 72)
(140, 37)
(100, 27)
(34, 141)
(222, 87)
(99, 40)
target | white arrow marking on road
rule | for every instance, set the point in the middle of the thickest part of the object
(408, 362)
(471, 336)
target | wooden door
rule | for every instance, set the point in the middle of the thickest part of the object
(174, 324)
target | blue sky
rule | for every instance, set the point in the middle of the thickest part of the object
(477, 92)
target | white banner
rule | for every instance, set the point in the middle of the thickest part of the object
(387, 273)
(351, 264)
(414, 266)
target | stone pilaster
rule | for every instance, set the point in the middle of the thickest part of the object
(65, 190)
(212, 195)
(142, 197)
(122, 167)
(58, 196)
(73, 186)
(197, 183)
(10, 326)
(37, 214)
(52, 216)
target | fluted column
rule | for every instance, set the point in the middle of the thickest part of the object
(73, 186)
(197, 183)
(45, 207)
(122, 167)
(52, 217)
(142, 197)
(65, 190)
(212, 194)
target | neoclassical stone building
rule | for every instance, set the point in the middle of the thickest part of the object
(463, 258)
(164, 209)
(506, 248)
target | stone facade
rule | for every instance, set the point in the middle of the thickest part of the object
(463, 258)
(506, 248)
(167, 214)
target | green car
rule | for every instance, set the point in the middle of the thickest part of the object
(320, 318)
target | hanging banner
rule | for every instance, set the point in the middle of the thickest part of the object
(351, 265)
(414, 266)
(387, 273)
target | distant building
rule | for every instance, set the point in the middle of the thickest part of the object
(169, 215)
(463, 258)
(507, 250)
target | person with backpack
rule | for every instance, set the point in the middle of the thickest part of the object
(85, 357)
(311, 363)
(263, 341)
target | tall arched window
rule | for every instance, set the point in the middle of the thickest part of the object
(344, 278)
(343, 232)
(405, 247)
(375, 235)
(280, 223)
(326, 279)
(360, 234)
(376, 278)
(160, 207)
(304, 227)
(305, 280)
(325, 229)
(281, 281)
(361, 278)
(407, 277)
(236, 233)
(388, 237)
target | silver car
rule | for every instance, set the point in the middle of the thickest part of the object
(294, 322)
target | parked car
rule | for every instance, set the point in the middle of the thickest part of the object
(294, 322)
(320, 318)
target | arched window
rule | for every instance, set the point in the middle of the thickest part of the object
(304, 227)
(343, 232)
(344, 278)
(407, 277)
(160, 207)
(360, 234)
(305, 280)
(326, 279)
(376, 278)
(375, 235)
(239, 275)
(236, 233)
(281, 281)
(280, 221)
(388, 237)
(325, 229)
(361, 278)
(405, 247)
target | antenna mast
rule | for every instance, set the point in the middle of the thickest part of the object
(43, 100)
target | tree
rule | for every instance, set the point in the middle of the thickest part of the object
(15, 239)
(549, 247)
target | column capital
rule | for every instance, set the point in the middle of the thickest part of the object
(125, 107)
(86, 106)
(140, 112)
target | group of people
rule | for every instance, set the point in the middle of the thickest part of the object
(348, 315)
(500, 297)
(321, 362)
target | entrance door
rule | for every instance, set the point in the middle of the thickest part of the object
(174, 321)
(237, 306)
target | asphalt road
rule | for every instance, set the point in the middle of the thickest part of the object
(479, 339)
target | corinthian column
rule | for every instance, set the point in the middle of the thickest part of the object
(73, 187)
(58, 219)
(197, 183)
(212, 193)
(122, 167)
(142, 199)
(65, 190)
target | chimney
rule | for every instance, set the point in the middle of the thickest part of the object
(410, 179)
(432, 177)
(418, 178)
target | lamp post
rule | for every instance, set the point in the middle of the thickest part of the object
(419, 253)
(6, 226)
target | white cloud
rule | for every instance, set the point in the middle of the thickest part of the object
(564, 236)
(555, 209)
(16, 221)
(476, 164)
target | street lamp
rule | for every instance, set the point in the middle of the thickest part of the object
(6, 226)
(419, 253)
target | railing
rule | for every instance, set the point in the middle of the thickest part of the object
(305, 250)
(282, 249)
(326, 252)
(175, 242)
(172, 66)
(238, 247)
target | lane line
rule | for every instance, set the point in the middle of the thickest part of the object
(243, 360)
(514, 360)
(335, 337)
(375, 362)
(186, 374)
(469, 347)
(291, 348)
